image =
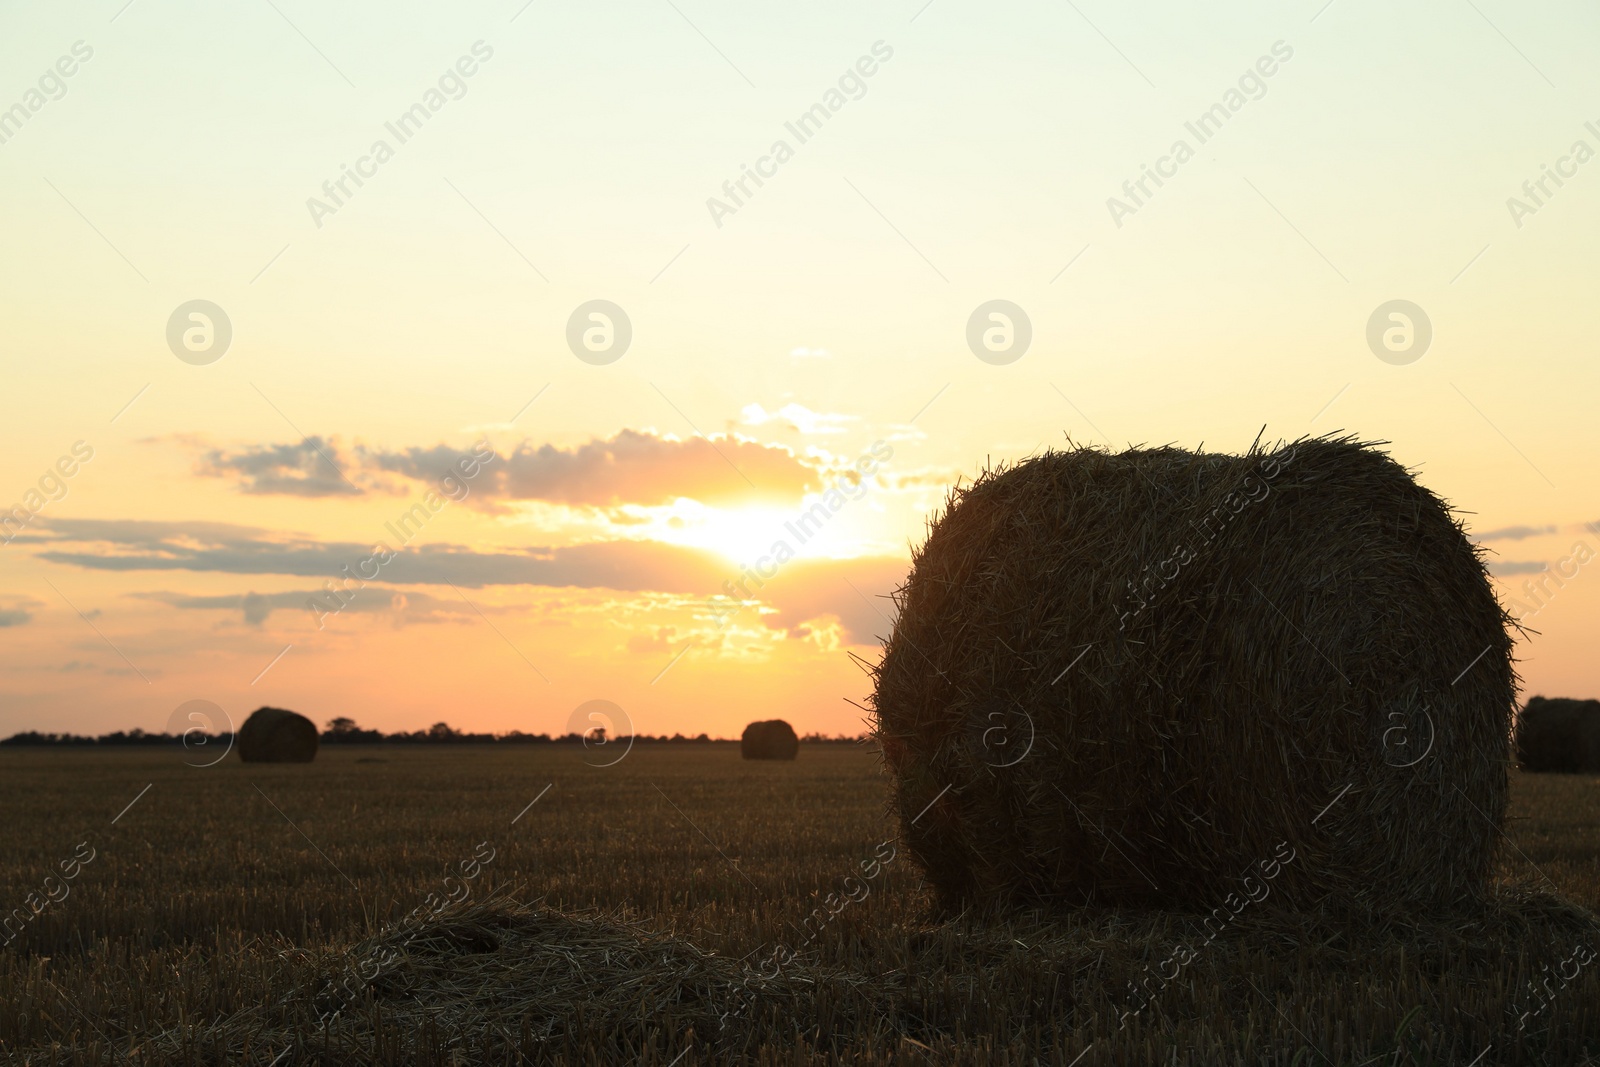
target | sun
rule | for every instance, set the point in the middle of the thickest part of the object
(739, 535)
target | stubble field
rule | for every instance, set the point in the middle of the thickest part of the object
(466, 904)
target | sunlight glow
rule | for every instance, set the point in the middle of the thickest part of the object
(739, 535)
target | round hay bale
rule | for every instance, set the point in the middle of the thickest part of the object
(1559, 734)
(769, 739)
(1138, 679)
(274, 735)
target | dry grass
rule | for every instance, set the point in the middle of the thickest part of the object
(629, 916)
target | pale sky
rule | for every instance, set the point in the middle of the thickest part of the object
(374, 343)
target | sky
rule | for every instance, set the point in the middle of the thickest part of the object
(242, 399)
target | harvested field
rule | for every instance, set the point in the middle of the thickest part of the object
(631, 914)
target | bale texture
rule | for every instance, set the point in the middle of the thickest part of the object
(1559, 734)
(274, 735)
(1168, 678)
(769, 739)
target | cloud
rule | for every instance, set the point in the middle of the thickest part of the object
(309, 469)
(643, 469)
(1514, 533)
(1507, 567)
(633, 467)
(804, 590)
(658, 639)
(429, 465)
(143, 533)
(218, 547)
(17, 611)
(255, 608)
(79, 666)
(925, 478)
(853, 591)
(826, 601)
(797, 417)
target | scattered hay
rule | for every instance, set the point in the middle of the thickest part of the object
(1167, 678)
(769, 739)
(273, 735)
(496, 981)
(1559, 734)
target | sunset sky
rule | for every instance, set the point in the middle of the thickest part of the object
(537, 157)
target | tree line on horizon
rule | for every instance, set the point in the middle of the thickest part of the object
(345, 731)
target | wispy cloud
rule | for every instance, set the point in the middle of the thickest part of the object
(854, 591)
(797, 417)
(1514, 533)
(806, 590)
(110, 545)
(83, 666)
(1502, 568)
(17, 611)
(255, 608)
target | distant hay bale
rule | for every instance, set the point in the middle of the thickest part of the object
(769, 739)
(273, 735)
(1135, 679)
(1559, 735)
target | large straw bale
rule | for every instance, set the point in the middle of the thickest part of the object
(1173, 678)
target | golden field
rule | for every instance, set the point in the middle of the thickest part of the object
(406, 904)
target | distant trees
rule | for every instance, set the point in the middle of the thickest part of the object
(34, 737)
(131, 737)
(344, 730)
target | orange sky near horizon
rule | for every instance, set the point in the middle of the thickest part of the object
(232, 369)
